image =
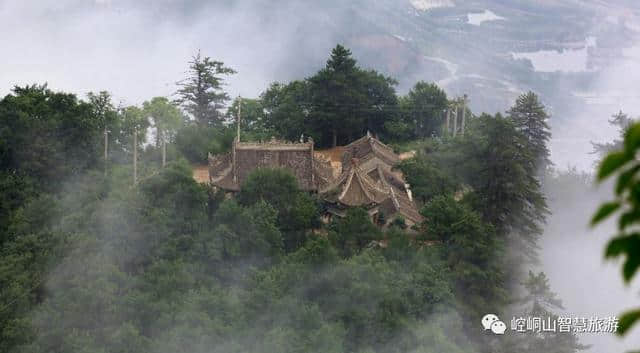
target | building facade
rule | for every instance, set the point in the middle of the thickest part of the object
(361, 174)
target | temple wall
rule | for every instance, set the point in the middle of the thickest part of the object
(297, 161)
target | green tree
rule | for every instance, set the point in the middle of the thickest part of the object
(104, 111)
(135, 124)
(345, 100)
(473, 253)
(248, 231)
(540, 301)
(195, 142)
(286, 110)
(624, 165)
(252, 123)
(166, 119)
(621, 122)
(530, 118)
(333, 97)
(423, 109)
(427, 178)
(201, 93)
(381, 101)
(47, 136)
(505, 189)
(298, 213)
(353, 232)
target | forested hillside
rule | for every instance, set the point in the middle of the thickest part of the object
(108, 244)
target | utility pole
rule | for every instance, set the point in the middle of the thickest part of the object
(164, 152)
(455, 120)
(135, 156)
(106, 148)
(464, 112)
(238, 119)
(448, 118)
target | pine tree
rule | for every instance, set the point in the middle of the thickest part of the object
(530, 118)
(540, 302)
(506, 192)
(333, 94)
(621, 122)
(347, 100)
(201, 93)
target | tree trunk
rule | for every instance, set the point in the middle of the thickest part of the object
(135, 157)
(335, 138)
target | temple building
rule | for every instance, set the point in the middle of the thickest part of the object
(361, 174)
(228, 171)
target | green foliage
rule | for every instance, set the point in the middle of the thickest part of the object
(165, 116)
(539, 301)
(530, 119)
(346, 100)
(427, 178)
(501, 171)
(102, 108)
(423, 109)
(623, 163)
(134, 120)
(621, 122)
(298, 212)
(286, 110)
(92, 263)
(253, 124)
(47, 137)
(353, 232)
(194, 141)
(336, 105)
(472, 252)
(248, 232)
(201, 93)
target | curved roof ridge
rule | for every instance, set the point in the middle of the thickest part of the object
(353, 173)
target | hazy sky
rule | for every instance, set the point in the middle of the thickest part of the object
(139, 49)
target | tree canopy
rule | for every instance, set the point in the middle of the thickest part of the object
(201, 93)
(92, 262)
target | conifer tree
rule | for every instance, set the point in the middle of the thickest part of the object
(530, 118)
(621, 122)
(346, 100)
(541, 302)
(201, 93)
(506, 191)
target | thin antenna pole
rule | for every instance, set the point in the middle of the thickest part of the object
(448, 119)
(135, 156)
(239, 116)
(455, 121)
(464, 112)
(106, 147)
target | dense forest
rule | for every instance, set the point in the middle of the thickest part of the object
(108, 244)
